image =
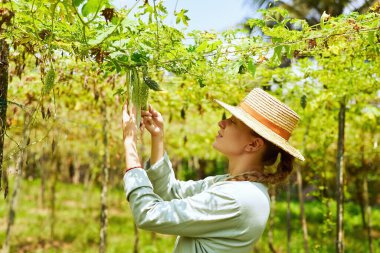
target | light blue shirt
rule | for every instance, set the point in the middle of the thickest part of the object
(209, 215)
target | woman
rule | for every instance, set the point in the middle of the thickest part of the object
(225, 213)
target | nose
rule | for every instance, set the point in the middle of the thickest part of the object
(222, 124)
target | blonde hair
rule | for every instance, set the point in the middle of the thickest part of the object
(283, 170)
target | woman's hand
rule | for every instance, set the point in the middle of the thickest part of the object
(129, 125)
(153, 122)
(130, 138)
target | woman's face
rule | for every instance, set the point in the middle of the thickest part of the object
(233, 137)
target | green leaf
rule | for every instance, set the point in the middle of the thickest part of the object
(162, 8)
(102, 36)
(129, 23)
(242, 69)
(251, 67)
(117, 66)
(201, 82)
(256, 22)
(235, 67)
(322, 20)
(288, 51)
(201, 47)
(215, 45)
(181, 16)
(153, 85)
(371, 37)
(119, 91)
(76, 3)
(90, 7)
(140, 57)
(277, 54)
(303, 101)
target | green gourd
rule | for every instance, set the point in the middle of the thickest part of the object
(49, 80)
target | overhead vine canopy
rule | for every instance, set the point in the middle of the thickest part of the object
(312, 65)
(331, 56)
(70, 60)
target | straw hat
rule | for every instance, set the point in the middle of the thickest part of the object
(268, 117)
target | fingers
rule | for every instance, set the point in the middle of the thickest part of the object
(148, 120)
(126, 116)
(126, 108)
(142, 126)
(129, 115)
(145, 113)
(148, 117)
(153, 112)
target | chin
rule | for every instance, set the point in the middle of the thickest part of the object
(215, 146)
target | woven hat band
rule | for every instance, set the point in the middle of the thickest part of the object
(275, 128)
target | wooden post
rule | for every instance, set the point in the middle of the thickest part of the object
(300, 193)
(103, 209)
(367, 212)
(4, 50)
(56, 165)
(288, 217)
(18, 178)
(302, 207)
(340, 179)
(272, 194)
(137, 239)
(42, 164)
(366, 208)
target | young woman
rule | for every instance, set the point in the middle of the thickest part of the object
(225, 213)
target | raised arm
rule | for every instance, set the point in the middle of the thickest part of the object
(165, 184)
(159, 167)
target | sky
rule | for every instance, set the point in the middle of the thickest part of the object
(218, 15)
(215, 15)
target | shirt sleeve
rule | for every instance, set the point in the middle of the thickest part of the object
(212, 213)
(165, 184)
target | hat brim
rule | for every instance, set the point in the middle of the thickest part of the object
(261, 129)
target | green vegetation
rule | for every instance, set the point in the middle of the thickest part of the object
(77, 224)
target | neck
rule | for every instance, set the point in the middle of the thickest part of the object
(239, 165)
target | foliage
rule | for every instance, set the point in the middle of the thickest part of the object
(70, 57)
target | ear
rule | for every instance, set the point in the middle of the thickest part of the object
(256, 144)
